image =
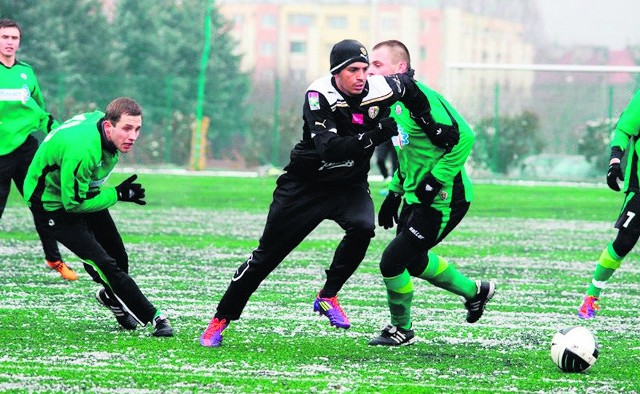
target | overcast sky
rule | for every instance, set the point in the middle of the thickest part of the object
(613, 23)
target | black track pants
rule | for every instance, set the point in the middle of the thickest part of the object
(94, 238)
(296, 210)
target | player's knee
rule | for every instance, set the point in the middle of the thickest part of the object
(418, 267)
(625, 241)
(362, 229)
(391, 263)
(398, 255)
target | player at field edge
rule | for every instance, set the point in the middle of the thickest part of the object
(437, 194)
(22, 114)
(345, 115)
(625, 139)
(64, 190)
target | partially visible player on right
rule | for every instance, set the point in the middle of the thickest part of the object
(625, 138)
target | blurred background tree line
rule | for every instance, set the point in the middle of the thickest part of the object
(149, 50)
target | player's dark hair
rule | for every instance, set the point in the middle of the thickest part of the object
(399, 50)
(6, 22)
(122, 106)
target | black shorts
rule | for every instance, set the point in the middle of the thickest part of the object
(428, 225)
(629, 219)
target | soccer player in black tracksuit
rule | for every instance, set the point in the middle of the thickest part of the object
(345, 117)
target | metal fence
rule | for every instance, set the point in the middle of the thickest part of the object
(564, 103)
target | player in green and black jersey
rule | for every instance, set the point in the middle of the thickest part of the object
(437, 195)
(625, 140)
(64, 188)
(22, 113)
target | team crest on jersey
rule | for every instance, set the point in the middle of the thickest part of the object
(374, 111)
(398, 109)
(443, 195)
(314, 100)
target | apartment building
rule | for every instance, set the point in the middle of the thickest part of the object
(292, 39)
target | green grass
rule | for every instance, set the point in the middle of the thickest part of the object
(538, 243)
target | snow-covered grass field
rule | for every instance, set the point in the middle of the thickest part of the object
(538, 243)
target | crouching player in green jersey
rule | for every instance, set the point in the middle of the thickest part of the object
(625, 138)
(64, 190)
(437, 194)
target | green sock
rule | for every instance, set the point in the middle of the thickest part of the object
(608, 263)
(441, 274)
(400, 297)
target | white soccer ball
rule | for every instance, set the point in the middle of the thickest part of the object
(574, 349)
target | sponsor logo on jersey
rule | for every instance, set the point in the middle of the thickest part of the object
(374, 111)
(330, 166)
(14, 95)
(357, 118)
(27, 93)
(314, 100)
(401, 139)
(323, 123)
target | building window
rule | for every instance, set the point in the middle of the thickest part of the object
(364, 23)
(238, 19)
(337, 22)
(388, 23)
(425, 25)
(267, 48)
(267, 74)
(298, 75)
(268, 20)
(300, 20)
(298, 47)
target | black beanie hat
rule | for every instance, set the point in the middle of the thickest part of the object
(346, 52)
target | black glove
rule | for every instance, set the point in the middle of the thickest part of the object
(132, 192)
(613, 175)
(385, 129)
(427, 189)
(388, 213)
(441, 135)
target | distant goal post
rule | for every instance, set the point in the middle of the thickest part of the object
(484, 77)
(546, 67)
(563, 96)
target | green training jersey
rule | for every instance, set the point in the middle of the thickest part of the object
(628, 130)
(70, 167)
(417, 155)
(22, 108)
